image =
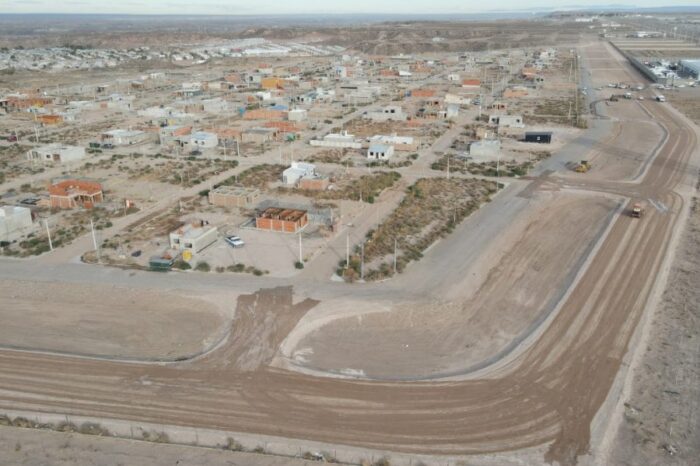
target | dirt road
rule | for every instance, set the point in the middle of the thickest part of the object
(549, 394)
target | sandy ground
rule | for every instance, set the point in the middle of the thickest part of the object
(533, 260)
(662, 416)
(43, 448)
(107, 321)
(630, 145)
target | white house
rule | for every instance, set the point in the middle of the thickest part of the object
(15, 223)
(56, 152)
(380, 151)
(389, 113)
(452, 111)
(298, 114)
(193, 237)
(204, 140)
(507, 121)
(123, 137)
(297, 171)
(338, 140)
(400, 143)
(215, 105)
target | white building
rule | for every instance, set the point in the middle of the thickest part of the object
(123, 137)
(400, 143)
(15, 223)
(297, 171)
(389, 113)
(215, 105)
(56, 152)
(507, 121)
(204, 140)
(452, 111)
(457, 99)
(298, 114)
(380, 151)
(338, 140)
(193, 237)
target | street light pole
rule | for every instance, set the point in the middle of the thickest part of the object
(347, 250)
(94, 240)
(48, 233)
(300, 251)
(362, 261)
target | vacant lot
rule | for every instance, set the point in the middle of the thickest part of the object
(431, 209)
(365, 188)
(127, 324)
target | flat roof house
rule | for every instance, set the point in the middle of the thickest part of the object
(56, 152)
(507, 121)
(15, 223)
(259, 135)
(281, 220)
(400, 143)
(123, 137)
(297, 171)
(69, 194)
(204, 140)
(338, 140)
(193, 237)
(380, 151)
(233, 196)
(389, 113)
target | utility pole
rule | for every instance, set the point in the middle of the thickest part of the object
(448, 166)
(48, 233)
(347, 250)
(395, 256)
(362, 261)
(94, 240)
(301, 257)
(498, 165)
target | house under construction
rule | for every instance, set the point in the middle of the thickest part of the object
(281, 219)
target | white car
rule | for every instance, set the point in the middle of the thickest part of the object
(234, 241)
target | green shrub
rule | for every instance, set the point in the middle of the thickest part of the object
(203, 267)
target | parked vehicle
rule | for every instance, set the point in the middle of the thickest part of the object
(136, 253)
(108, 145)
(234, 241)
(660, 98)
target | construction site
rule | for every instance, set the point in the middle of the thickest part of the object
(453, 257)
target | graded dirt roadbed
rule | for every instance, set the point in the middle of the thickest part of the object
(547, 395)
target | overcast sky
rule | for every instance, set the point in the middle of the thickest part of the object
(251, 7)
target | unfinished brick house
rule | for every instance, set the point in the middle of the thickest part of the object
(282, 220)
(70, 194)
(233, 196)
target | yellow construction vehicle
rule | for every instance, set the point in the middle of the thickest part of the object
(637, 210)
(582, 167)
